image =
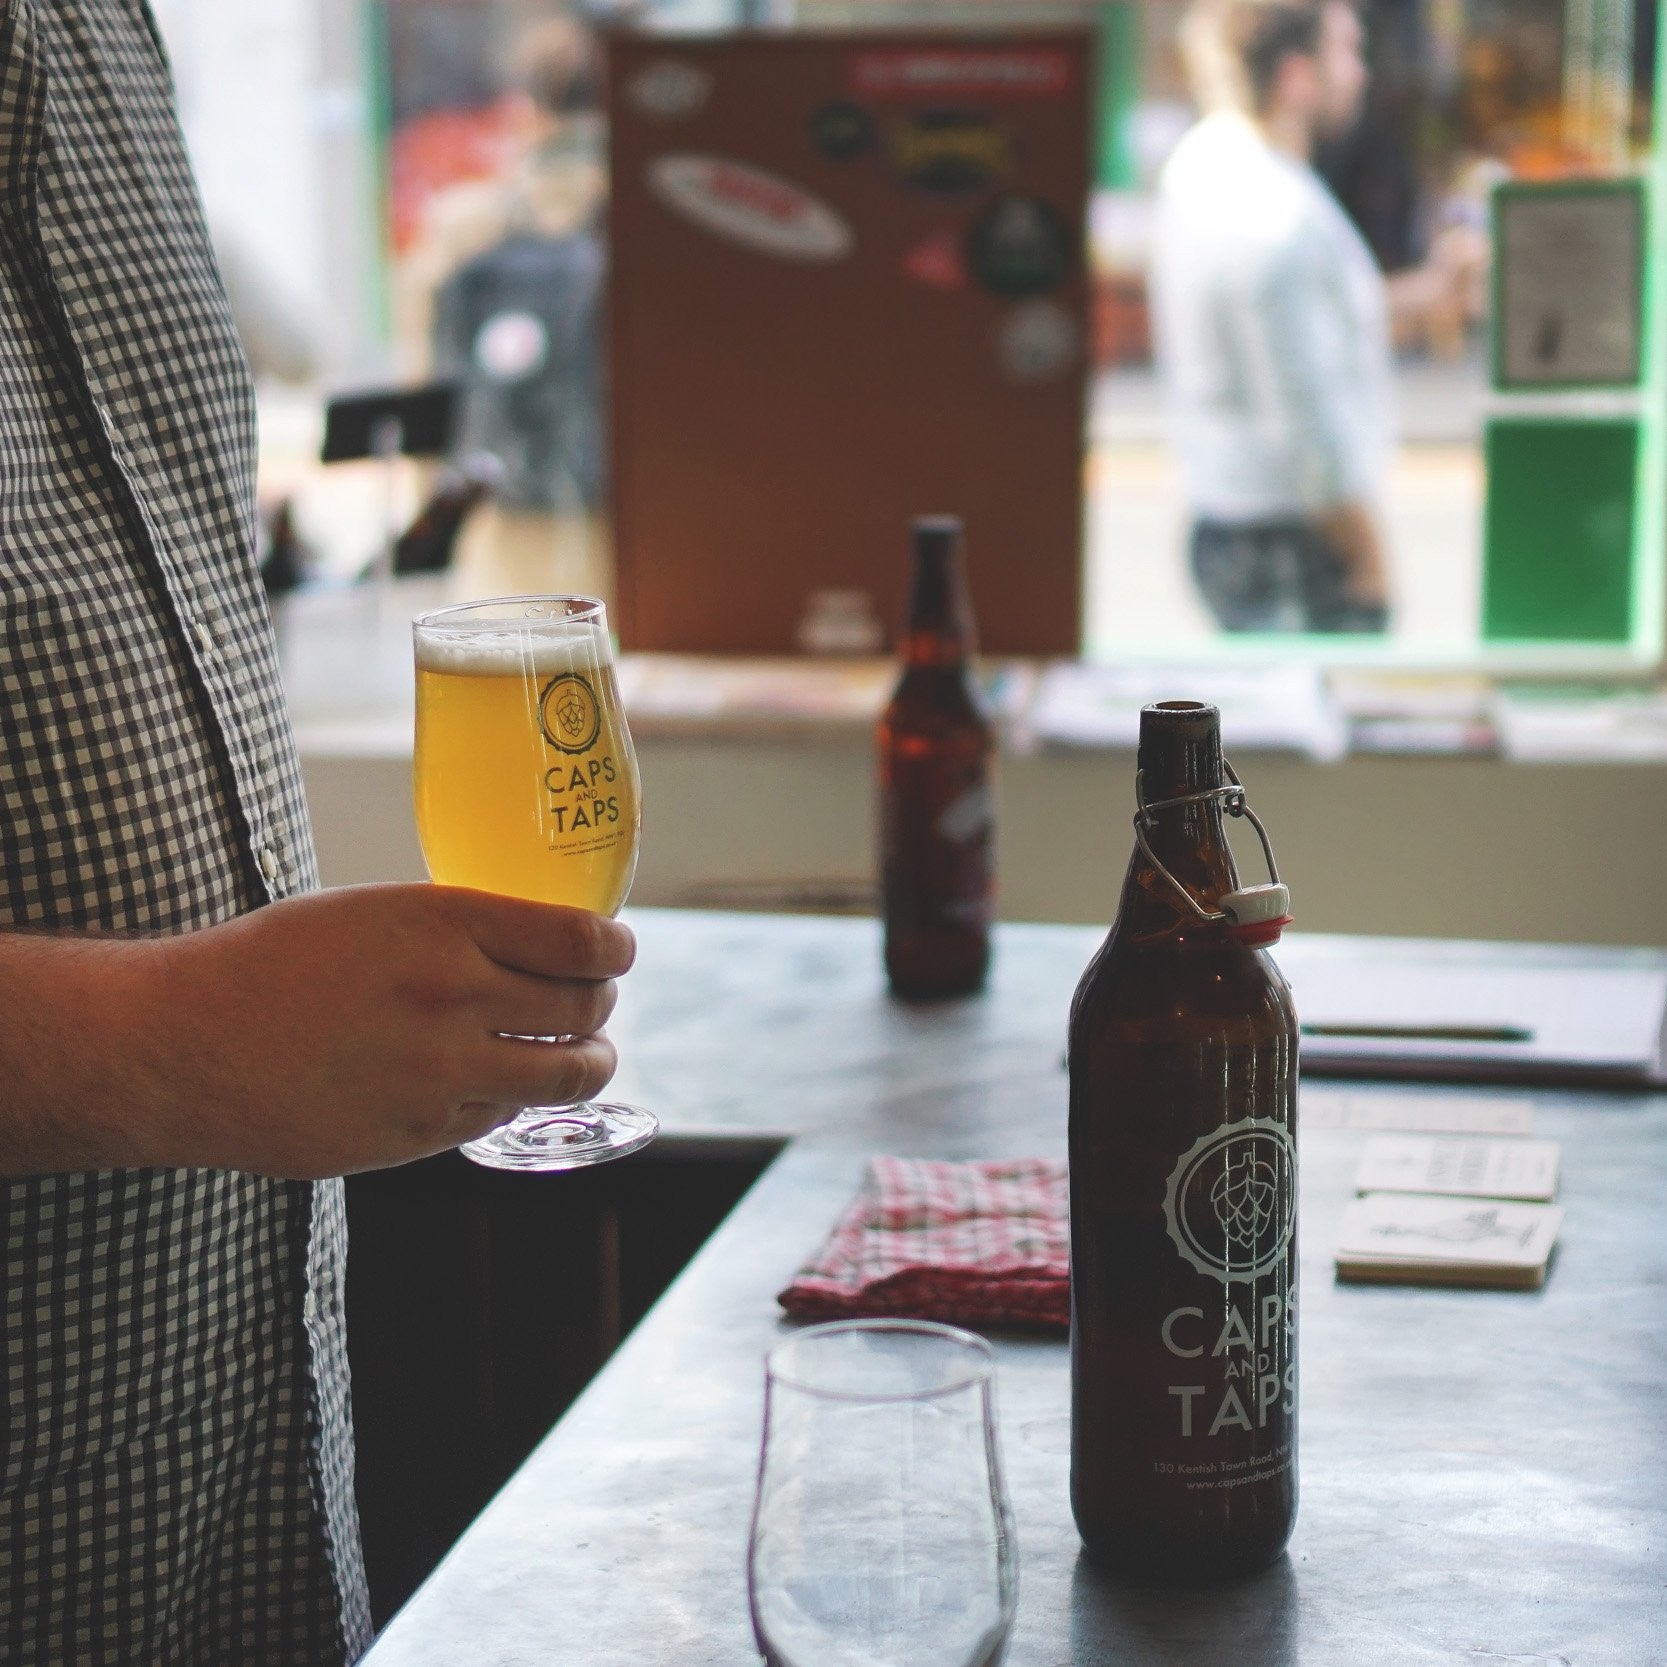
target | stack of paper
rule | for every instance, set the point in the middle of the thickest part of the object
(1263, 708)
(1518, 1013)
(689, 694)
(1410, 712)
(1581, 724)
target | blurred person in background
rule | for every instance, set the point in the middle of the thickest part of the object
(503, 293)
(1274, 325)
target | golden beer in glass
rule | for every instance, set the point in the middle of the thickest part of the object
(525, 783)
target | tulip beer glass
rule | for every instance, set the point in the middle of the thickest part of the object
(526, 784)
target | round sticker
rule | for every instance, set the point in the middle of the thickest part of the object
(842, 131)
(512, 345)
(1230, 1205)
(1038, 340)
(1019, 246)
(568, 713)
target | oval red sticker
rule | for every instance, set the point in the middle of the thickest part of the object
(746, 205)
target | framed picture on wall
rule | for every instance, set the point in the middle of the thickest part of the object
(1569, 284)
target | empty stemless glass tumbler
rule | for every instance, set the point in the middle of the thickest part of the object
(881, 1533)
(526, 783)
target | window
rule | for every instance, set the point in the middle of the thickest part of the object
(1502, 507)
(1503, 511)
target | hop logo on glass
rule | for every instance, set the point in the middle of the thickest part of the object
(568, 714)
(1230, 1204)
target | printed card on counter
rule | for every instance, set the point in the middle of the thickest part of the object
(1415, 1239)
(1517, 1169)
(1414, 1113)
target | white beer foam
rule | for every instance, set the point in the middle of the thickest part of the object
(506, 652)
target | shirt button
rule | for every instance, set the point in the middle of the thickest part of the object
(269, 862)
(205, 638)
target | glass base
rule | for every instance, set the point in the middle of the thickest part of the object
(549, 1138)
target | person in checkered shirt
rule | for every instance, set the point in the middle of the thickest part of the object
(194, 1039)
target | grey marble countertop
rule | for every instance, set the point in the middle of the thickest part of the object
(1483, 1474)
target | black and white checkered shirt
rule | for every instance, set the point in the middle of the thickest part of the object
(178, 1465)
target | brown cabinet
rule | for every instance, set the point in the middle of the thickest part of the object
(848, 286)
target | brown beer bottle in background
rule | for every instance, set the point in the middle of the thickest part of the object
(937, 808)
(1183, 1065)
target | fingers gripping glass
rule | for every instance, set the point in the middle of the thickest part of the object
(526, 784)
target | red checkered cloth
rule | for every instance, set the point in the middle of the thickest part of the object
(976, 1243)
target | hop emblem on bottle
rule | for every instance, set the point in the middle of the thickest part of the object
(1245, 1196)
(1230, 1202)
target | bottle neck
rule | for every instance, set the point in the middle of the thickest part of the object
(939, 631)
(1177, 760)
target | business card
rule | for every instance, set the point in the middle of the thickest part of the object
(1477, 1168)
(1416, 1238)
(1415, 1112)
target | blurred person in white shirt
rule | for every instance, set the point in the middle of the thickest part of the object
(1274, 323)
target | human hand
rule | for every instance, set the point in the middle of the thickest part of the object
(1434, 304)
(1463, 256)
(1352, 531)
(358, 1028)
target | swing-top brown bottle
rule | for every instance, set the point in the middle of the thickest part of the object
(1183, 1062)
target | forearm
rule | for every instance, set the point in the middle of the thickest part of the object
(1409, 293)
(329, 1033)
(81, 1082)
(1425, 308)
(1436, 302)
